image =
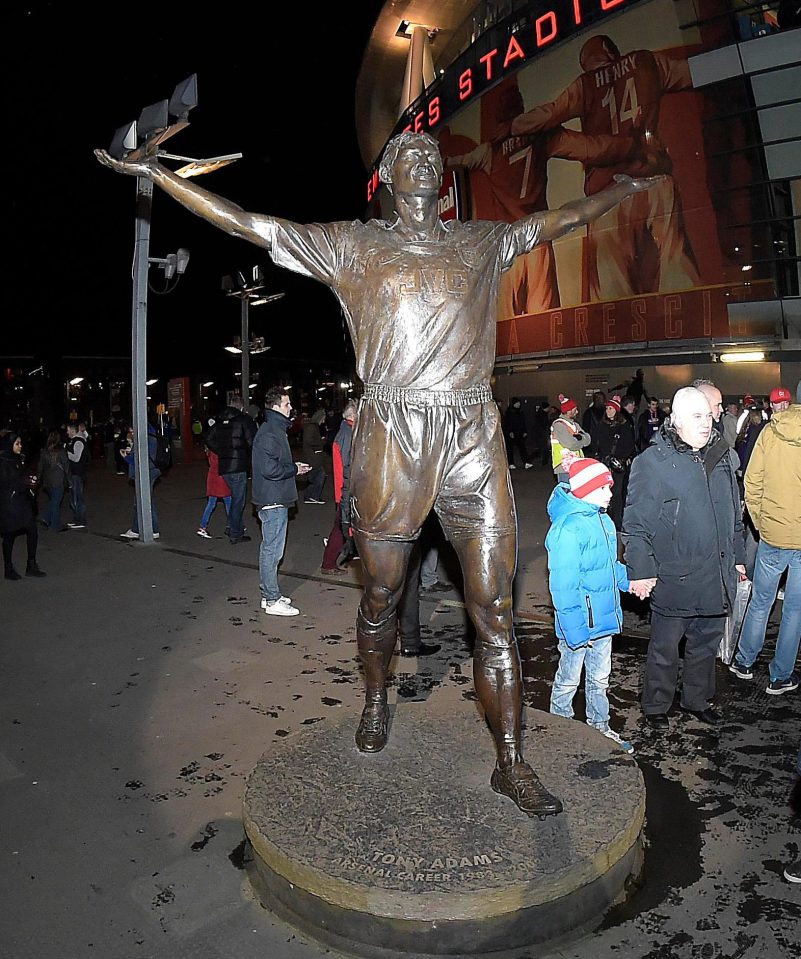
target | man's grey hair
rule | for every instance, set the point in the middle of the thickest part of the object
(701, 382)
(237, 403)
(682, 401)
(349, 413)
(395, 145)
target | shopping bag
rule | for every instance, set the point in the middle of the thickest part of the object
(734, 623)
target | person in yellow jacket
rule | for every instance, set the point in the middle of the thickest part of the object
(568, 439)
(773, 497)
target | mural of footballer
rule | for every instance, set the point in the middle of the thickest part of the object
(641, 246)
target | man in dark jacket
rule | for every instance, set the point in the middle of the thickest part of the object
(516, 431)
(593, 416)
(79, 455)
(231, 438)
(649, 423)
(274, 491)
(684, 546)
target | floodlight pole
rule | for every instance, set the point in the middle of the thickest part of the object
(245, 335)
(144, 205)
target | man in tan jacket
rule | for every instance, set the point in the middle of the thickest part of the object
(773, 497)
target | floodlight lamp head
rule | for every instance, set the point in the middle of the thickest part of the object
(153, 120)
(170, 265)
(181, 260)
(123, 141)
(184, 97)
(227, 284)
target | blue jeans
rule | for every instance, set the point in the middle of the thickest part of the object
(154, 475)
(77, 501)
(273, 539)
(238, 483)
(771, 562)
(211, 505)
(597, 662)
(53, 514)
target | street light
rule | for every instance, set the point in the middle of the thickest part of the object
(136, 140)
(248, 293)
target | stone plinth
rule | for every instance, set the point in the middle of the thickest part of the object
(409, 852)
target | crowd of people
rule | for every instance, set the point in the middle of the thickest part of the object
(56, 466)
(708, 484)
(675, 503)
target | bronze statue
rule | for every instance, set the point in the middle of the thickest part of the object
(419, 296)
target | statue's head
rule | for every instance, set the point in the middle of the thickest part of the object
(412, 164)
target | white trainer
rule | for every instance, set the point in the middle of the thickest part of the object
(281, 599)
(278, 608)
(616, 738)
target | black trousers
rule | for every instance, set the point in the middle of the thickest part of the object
(518, 443)
(704, 634)
(32, 535)
(409, 605)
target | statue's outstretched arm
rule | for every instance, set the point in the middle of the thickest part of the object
(224, 214)
(580, 212)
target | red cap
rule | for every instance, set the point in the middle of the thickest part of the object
(780, 395)
(588, 474)
(748, 400)
(614, 401)
(566, 404)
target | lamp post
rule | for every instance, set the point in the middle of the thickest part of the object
(248, 294)
(134, 141)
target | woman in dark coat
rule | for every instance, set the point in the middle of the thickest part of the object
(17, 513)
(747, 437)
(615, 448)
(54, 477)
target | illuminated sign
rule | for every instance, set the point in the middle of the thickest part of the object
(496, 54)
(687, 315)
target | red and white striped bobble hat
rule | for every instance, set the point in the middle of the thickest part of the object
(588, 474)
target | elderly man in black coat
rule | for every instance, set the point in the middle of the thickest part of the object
(683, 538)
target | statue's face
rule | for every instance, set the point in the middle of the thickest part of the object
(417, 169)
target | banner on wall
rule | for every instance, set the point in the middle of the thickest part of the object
(614, 100)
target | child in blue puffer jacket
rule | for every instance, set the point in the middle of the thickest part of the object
(585, 579)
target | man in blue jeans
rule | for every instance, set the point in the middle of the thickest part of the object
(274, 491)
(773, 498)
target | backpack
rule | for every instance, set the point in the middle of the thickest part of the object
(162, 460)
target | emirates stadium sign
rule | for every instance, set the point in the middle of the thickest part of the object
(500, 51)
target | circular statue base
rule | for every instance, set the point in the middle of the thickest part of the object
(409, 852)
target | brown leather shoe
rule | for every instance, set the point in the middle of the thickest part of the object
(371, 735)
(520, 784)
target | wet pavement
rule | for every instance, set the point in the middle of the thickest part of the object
(140, 685)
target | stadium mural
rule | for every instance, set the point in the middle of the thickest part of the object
(615, 99)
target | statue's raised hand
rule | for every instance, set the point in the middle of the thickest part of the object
(144, 168)
(637, 184)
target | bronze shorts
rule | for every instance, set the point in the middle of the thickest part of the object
(411, 455)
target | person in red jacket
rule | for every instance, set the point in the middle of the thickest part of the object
(216, 489)
(336, 554)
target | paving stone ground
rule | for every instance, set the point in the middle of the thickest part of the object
(140, 685)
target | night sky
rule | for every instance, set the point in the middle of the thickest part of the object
(274, 83)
